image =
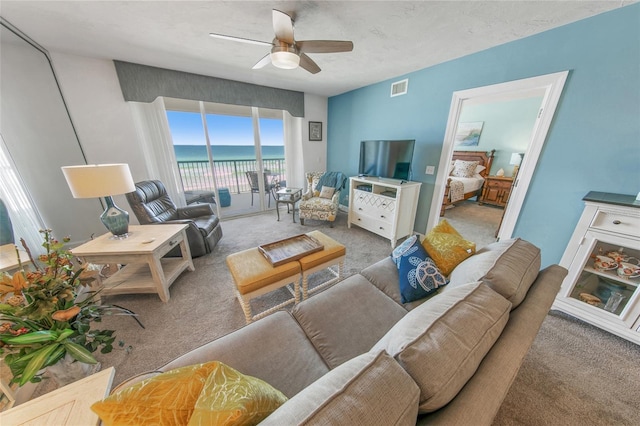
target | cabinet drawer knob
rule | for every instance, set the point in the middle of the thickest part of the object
(616, 222)
(382, 216)
(360, 208)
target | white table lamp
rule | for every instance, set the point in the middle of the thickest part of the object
(515, 161)
(103, 180)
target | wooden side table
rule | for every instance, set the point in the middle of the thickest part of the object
(68, 405)
(496, 190)
(145, 270)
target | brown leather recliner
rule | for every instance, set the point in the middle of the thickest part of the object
(151, 205)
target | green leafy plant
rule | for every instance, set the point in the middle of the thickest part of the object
(43, 317)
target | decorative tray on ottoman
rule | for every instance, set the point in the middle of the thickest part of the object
(290, 249)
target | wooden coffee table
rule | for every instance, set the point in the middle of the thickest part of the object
(145, 270)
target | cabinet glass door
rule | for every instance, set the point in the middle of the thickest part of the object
(609, 277)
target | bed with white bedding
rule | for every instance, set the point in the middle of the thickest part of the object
(466, 176)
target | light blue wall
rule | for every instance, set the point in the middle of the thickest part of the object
(593, 143)
(507, 129)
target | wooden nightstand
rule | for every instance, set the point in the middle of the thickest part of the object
(496, 190)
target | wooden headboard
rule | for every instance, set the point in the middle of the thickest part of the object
(480, 156)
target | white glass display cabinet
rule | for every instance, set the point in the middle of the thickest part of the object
(603, 259)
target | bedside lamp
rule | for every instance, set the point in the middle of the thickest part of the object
(103, 180)
(515, 161)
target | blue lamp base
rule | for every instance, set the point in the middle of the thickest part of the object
(115, 219)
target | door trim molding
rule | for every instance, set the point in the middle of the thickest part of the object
(552, 85)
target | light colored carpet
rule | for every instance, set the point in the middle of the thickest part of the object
(574, 373)
(475, 222)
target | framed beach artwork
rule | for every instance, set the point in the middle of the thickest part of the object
(468, 134)
(315, 130)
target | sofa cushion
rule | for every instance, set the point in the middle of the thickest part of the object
(384, 275)
(479, 400)
(260, 349)
(347, 319)
(229, 397)
(371, 389)
(509, 267)
(442, 342)
(446, 246)
(317, 203)
(418, 275)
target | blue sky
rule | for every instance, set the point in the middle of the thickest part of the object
(186, 129)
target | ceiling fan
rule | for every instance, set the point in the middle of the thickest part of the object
(288, 53)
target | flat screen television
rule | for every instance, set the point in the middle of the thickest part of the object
(386, 158)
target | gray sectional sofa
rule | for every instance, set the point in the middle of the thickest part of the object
(354, 355)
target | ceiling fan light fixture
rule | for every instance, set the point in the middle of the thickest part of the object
(285, 60)
(284, 56)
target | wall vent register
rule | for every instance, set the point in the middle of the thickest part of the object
(399, 87)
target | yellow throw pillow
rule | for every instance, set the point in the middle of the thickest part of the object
(165, 399)
(211, 393)
(446, 247)
(232, 398)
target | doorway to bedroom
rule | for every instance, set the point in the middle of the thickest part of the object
(543, 94)
(502, 129)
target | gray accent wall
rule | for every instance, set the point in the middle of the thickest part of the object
(142, 83)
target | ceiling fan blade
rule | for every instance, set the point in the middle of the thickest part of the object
(282, 26)
(324, 46)
(240, 39)
(266, 59)
(308, 64)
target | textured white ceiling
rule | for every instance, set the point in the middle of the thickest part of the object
(390, 37)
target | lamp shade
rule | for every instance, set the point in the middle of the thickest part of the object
(98, 180)
(516, 159)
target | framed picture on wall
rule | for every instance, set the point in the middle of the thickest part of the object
(468, 134)
(315, 130)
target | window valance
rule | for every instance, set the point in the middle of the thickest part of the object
(142, 83)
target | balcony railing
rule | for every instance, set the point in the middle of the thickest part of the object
(197, 175)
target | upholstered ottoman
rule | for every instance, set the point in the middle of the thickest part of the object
(333, 254)
(254, 276)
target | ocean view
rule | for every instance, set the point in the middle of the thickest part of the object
(226, 152)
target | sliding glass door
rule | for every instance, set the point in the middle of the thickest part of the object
(232, 153)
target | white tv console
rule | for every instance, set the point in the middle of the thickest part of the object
(386, 207)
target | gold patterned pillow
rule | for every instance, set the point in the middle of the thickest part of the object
(205, 393)
(446, 247)
(165, 399)
(232, 398)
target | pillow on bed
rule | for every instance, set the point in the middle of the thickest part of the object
(464, 169)
(479, 169)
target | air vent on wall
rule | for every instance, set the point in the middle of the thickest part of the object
(399, 87)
